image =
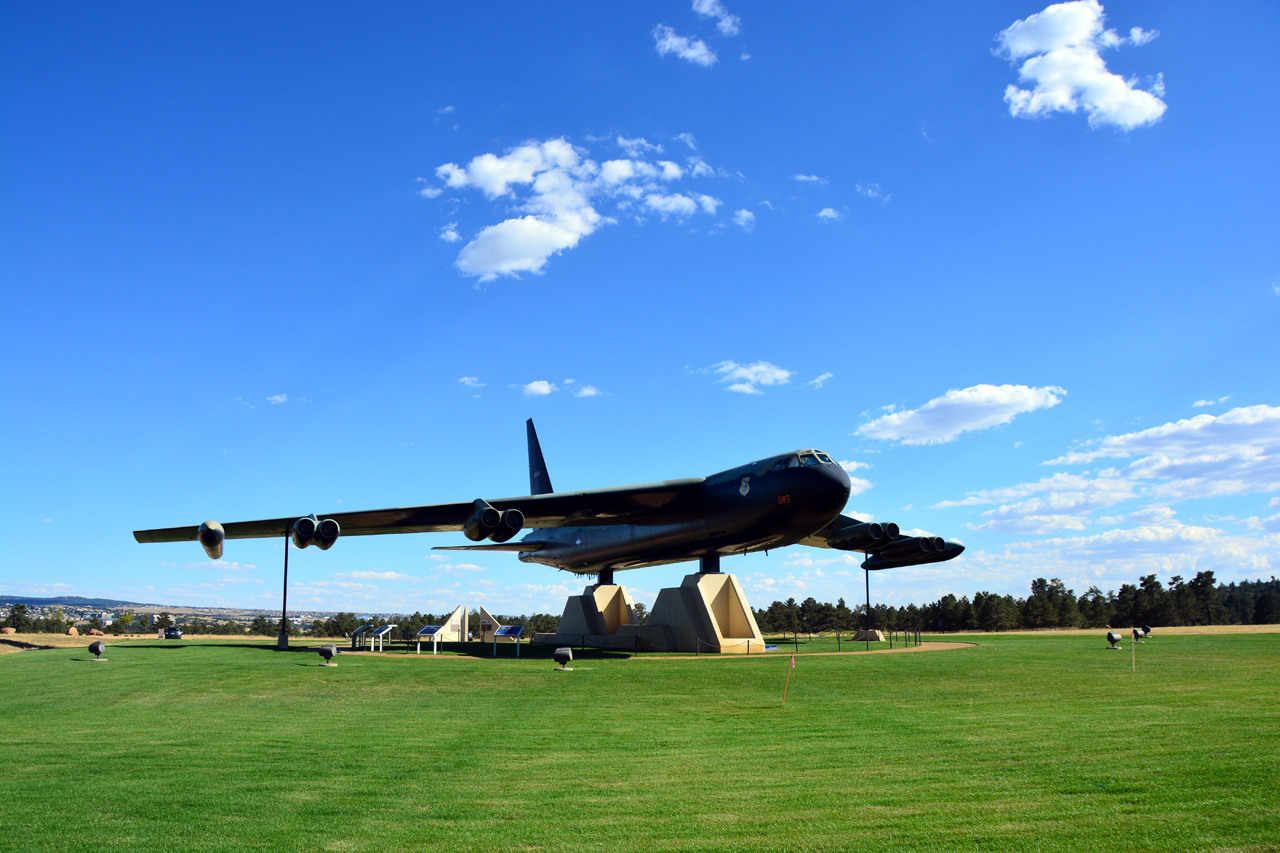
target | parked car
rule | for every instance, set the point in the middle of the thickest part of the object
(172, 634)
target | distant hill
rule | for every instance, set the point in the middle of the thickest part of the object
(72, 601)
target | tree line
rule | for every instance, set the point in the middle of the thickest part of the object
(1200, 601)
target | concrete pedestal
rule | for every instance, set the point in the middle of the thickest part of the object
(282, 642)
(708, 612)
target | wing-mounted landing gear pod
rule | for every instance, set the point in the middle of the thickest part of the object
(211, 536)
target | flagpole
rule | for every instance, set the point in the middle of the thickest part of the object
(788, 684)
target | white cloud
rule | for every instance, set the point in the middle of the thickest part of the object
(687, 139)
(278, 398)
(1199, 404)
(871, 191)
(828, 214)
(539, 388)
(850, 467)
(470, 382)
(445, 110)
(638, 147)
(744, 219)
(690, 49)
(809, 179)
(379, 576)
(1206, 456)
(746, 377)
(588, 391)
(821, 380)
(1065, 70)
(429, 191)
(727, 24)
(223, 566)
(449, 233)
(557, 187)
(943, 419)
(675, 204)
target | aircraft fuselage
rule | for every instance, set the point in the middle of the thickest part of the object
(749, 508)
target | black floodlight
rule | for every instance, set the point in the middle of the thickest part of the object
(97, 647)
(328, 652)
(1146, 631)
(563, 656)
(1114, 637)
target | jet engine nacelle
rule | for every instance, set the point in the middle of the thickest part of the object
(482, 523)
(210, 536)
(309, 530)
(511, 524)
(860, 537)
(485, 522)
(910, 547)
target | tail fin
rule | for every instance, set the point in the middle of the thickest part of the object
(539, 480)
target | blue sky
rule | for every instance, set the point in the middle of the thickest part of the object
(1016, 266)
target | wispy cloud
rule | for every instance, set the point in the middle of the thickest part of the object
(470, 382)
(828, 214)
(819, 381)
(746, 378)
(809, 179)
(449, 233)
(744, 219)
(588, 391)
(1064, 70)
(277, 399)
(694, 50)
(727, 24)
(944, 418)
(1200, 404)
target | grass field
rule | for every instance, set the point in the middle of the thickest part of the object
(1044, 742)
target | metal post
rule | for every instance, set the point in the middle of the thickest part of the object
(867, 572)
(282, 641)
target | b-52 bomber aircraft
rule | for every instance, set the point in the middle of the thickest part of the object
(793, 498)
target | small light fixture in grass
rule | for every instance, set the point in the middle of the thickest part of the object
(563, 656)
(1113, 637)
(97, 647)
(328, 652)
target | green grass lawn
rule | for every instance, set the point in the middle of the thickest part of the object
(1018, 743)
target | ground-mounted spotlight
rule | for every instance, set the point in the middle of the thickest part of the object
(563, 656)
(1138, 635)
(97, 647)
(1114, 637)
(1146, 631)
(328, 652)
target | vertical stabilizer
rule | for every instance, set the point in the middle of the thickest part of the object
(539, 480)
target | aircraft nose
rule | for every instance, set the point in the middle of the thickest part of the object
(840, 484)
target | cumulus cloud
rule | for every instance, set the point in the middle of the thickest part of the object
(727, 24)
(667, 40)
(588, 391)
(828, 214)
(746, 378)
(539, 388)
(944, 418)
(449, 233)
(809, 179)
(1065, 72)
(557, 187)
(744, 219)
(471, 382)
(276, 399)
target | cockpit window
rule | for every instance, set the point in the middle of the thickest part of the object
(783, 464)
(808, 460)
(825, 458)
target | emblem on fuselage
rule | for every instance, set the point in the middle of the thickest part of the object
(745, 487)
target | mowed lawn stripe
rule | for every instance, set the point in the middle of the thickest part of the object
(1017, 743)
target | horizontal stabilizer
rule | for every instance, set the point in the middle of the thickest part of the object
(504, 546)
